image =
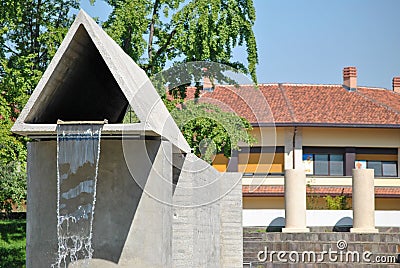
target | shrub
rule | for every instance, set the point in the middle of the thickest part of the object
(338, 202)
(12, 185)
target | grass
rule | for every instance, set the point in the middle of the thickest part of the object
(12, 243)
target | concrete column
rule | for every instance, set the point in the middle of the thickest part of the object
(363, 201)
(295, 201)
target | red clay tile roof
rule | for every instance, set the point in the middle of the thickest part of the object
(278, 190)
(309, 104)
(383, 97)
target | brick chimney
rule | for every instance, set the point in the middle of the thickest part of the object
(207, 84)
(350, 78)
(396, 84)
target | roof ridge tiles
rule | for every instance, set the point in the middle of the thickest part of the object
(304, 84)
(376, 102)
(288, 103)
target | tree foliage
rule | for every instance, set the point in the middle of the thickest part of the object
(157, 32)
(154, 32)
(209, 130)
(12, 185)
(339, 202)
(31, 31)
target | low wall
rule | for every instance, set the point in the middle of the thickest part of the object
(320, 249)
(275, 217)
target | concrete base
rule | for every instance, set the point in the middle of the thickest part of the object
(93, 263)
(130, 227)
(295, 230)
(363, 230)
(135, 227)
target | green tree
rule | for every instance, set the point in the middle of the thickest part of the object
(209, 130)
(157, 32)
(31, 31)
(154, 32)
(12, 185)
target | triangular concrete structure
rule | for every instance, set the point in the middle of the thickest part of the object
(91, 78)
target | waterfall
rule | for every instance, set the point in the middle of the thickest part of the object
(78, 152)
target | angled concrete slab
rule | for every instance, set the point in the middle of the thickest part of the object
(91, 78)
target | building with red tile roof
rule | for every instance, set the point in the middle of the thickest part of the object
(326, 129)
(316, 105)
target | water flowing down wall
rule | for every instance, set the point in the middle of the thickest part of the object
(78, 152)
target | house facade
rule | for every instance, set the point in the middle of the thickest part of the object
(326, 129)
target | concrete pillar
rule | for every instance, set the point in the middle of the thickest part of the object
(295, 201)
(363, 201)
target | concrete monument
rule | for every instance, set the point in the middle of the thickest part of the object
(148, 201)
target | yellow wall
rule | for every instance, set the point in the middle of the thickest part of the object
(263, 202)
(387, 203)
(353, 137)
(220, 162)
(267, 136)
(252, 163)
(256, 162)
(377, 157)
(331, 137)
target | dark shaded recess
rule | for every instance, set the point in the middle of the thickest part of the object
(81, 88)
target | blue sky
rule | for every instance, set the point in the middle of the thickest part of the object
(310, 41)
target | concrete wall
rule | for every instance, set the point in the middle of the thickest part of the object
(362, 250)
(268, 136)
(41, 233)
(353, 137)
(137, 226)
(207, 224)
(129, 225)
